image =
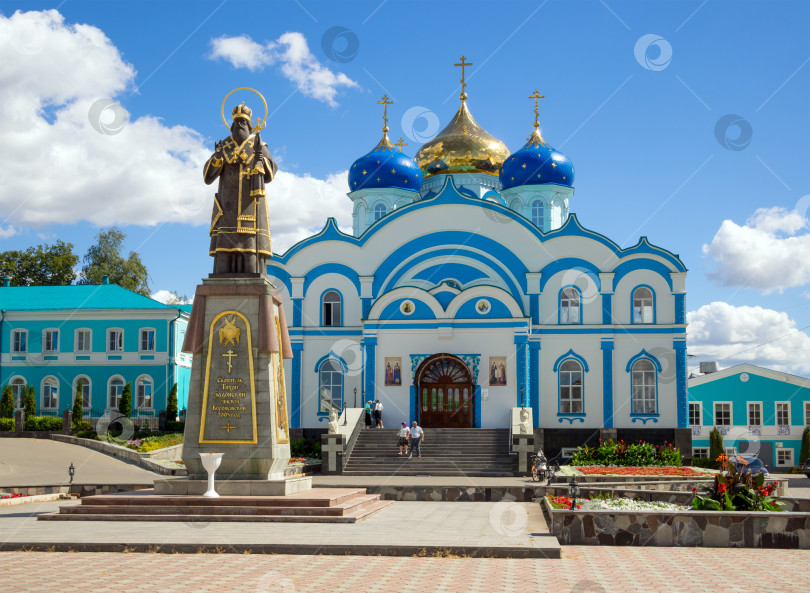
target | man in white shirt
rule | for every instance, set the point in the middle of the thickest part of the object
(417, 436)
(378, 408)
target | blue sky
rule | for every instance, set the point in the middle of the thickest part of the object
(641, 127)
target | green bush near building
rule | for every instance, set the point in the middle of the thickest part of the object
(7, 403)
(804, 452)
(641, 454)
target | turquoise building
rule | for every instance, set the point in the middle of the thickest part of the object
(758, 411)
(96, 339)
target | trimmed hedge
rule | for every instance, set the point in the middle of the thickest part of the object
(43, 423)
(640, 454)
(6, 424)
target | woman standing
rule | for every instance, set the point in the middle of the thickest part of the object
(367, 410)
(404, 436)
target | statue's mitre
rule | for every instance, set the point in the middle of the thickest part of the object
(242, 111)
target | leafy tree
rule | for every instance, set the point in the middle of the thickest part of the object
(78, 402)
(804, 452)
(171, 405)
(105, 258)
(125, 403)
(7, 403)
(30, 405)
(43, 265)
(716, 446)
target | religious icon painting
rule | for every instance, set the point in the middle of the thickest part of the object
(393, 371)
(497, 371)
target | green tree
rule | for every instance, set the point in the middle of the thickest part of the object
(43, 265)
(7, 403)
(125, 403)
(105, 258)
(804, 452)
(171, 405)
(78, 402)
(716, 447)
(30, 405)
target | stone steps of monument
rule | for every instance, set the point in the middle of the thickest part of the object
(330, 505)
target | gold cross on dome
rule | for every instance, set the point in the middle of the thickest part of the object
(400, 143)
(536, 96)
(463, 64)
(386, 101)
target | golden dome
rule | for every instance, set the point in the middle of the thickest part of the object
(462, 147)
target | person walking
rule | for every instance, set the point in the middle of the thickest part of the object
(404, 435)
(417, 436)
(378, 408)
(367, 410)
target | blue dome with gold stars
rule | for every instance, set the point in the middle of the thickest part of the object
(537, 163)
(385, 166)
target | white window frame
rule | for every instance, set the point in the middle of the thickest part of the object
(22, 394)
(50, 340)
(748, 410)
(142, 380)
(89, 345)
(568, 308)
(85, 400)
(112, 380)
(332, 311)
(776, 413)
(644, 314)
(141, 333)
(14, 341)
(538, 212)
(380, 210)
(120, 345)
(52, 398)
(807, 413)
(730, 413)
(570, 387)
(700, 413)
(330, 378)
(648, 396)
(700, 452)
(787, 450)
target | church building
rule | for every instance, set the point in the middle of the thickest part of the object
(469, 287)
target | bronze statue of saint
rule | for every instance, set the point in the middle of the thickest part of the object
(240, 221)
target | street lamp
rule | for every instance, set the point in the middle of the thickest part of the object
(355, 397)
(522, 399)
(71, 472)
(573, 492)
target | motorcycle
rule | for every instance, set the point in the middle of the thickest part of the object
(540, 468)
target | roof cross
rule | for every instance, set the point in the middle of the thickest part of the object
(463, 64)
(400, 143)
(536, 96)
(385, 103)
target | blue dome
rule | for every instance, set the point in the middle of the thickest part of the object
(537, 163)
(385, 166)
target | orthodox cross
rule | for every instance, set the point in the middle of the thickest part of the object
(400, 143)
(536, 96)
(228, 427)
(229, 355)
(463, 64)
(385, 103)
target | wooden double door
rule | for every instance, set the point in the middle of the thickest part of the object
(445, 392)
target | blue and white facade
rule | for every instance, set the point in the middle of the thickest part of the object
(758, 411)
(494, 271)
(93, 338)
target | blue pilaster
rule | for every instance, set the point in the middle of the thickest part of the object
(298, 312)
(607, 308)
(295, 386)
(371, 363)
(366, 308)
(413, 411)
(534, 382)
(681, 382)
(477, 407)
(680, 307)
(534, 308)
(521, 368)
(607, 383)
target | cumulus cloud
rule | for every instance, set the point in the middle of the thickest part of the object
(768, 253)
(170, 297)
(71, 153)
(291, 52)
(720, 331)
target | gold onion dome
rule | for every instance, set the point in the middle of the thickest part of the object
(462, 147)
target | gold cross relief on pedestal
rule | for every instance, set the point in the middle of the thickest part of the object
(229, 355)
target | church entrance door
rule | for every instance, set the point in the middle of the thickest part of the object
(444, 392)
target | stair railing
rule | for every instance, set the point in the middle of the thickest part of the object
(358, 426)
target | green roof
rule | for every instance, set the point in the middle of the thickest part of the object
(88, 297)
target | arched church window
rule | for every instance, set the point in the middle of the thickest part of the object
(50, 393)
(379, 211)
(570, 306)
(538, 214)
(643, 305)
(331, 309)
(331, 392)
(570, 386)
(644, 401)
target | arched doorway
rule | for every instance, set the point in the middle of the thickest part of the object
(444, 392)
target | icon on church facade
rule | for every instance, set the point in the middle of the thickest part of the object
(393, 371)
(497, 371)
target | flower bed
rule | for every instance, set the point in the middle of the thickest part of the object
(4, 495)
(590, 470)
(620, 503)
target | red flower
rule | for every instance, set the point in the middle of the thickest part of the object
(721, 488)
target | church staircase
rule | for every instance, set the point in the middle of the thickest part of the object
(445, 452)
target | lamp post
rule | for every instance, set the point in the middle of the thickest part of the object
(573, 492)
(71, 472)
(345, 415)
(522, 399)
(355, 397)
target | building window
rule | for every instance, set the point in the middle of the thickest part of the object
(147, 340)
(83, 340)
(144, 392)
(19, 341)
(754, 414)
(644, 387)
(331, 377)
(571, 388)
(379, 211)
(50, 393)
(18, 386)
(114, 396)
(722, 414)
(331, 309)
(115, 340)
(782, 413)
(695, 414)
(784, 457)
(50, 340)
(807, 413)
(643, 305)
(700, 452)
(83, 388)
(538, 214)
(569, 306)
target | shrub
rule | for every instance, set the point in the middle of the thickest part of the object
(305, 448)
(6, 424)
(173, 426)
(716, 447)
(639, 454)
(49, 423)
(125, 403)
(171, 405)
(804, 452)
(7, 403)
(30, 405)
(736, 491)
(78, 402)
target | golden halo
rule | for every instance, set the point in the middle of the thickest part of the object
(260, 124)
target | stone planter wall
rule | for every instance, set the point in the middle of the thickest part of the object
(714, 529)
(144, 460)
